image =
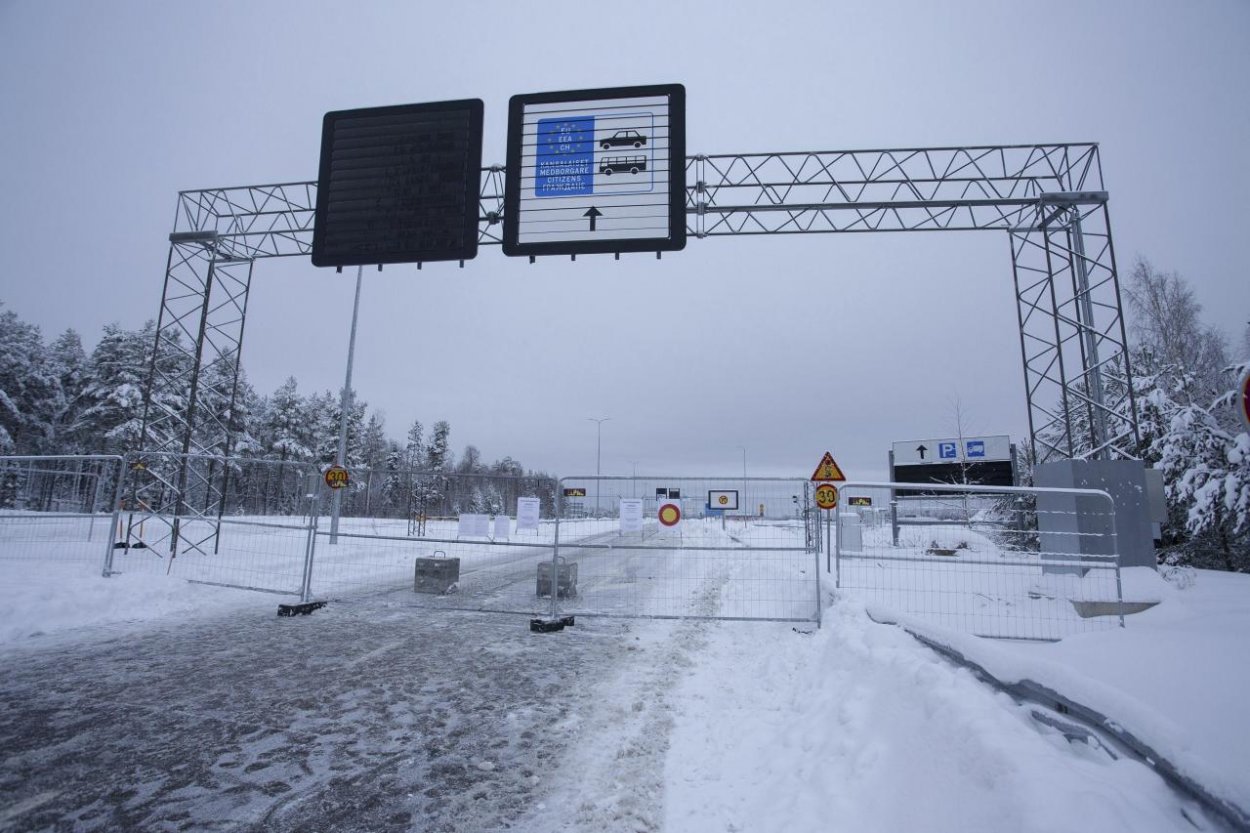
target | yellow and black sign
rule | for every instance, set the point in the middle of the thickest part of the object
(337, 477)
(575, 493)
(828, 470)
(859, 501)
(827, 496)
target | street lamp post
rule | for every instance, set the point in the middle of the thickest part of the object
(745, 503)
(598, 455)
(633, 485)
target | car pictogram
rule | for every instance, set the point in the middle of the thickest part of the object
(624, 138)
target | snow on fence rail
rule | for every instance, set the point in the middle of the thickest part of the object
(984, 560)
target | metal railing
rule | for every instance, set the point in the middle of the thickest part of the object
(732, 548)
(992, 561)
(58, 509)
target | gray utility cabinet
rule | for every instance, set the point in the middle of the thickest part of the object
(1079, 525)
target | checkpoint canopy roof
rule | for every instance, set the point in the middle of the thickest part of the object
(596, 171)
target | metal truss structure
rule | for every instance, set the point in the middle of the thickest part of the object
(1049, 199)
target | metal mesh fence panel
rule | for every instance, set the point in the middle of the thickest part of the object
(459, 542)
(982, 560)
(57, 508)
(240, 522)
(686, 547)
(249, 554)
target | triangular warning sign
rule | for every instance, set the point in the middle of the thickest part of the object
(828, 471)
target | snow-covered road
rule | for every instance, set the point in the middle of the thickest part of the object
(379, 713)
(377, 716)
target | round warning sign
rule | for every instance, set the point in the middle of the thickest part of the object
(827, 496)
(670, 514)
(336, 477)
(1244, 399)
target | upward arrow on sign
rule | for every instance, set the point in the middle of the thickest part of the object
(593, 214)
(828, 471)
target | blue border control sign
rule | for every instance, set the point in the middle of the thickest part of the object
(566, 157)
(596, 171)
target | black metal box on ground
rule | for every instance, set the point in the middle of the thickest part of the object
(566, 579)
(436, 575)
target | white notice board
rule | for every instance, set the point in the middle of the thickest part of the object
(526, 513)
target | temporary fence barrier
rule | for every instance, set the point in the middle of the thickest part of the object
(992, 561)
(466, 544)
(57, 509)
(685, 547)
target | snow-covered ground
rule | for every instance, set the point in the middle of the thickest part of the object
(148, 702)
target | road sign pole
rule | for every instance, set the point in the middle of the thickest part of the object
(837, 556)
(828, 537)
(345, 405)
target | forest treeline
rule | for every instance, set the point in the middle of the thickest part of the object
(57, 399)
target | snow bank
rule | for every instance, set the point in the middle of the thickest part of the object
(1175, 676)
(42, 599)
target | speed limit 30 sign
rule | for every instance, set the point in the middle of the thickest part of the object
(336, 477)
(826, 496)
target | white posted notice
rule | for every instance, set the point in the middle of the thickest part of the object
(631, 515)
(527, 513)
(503, 525)
(473, 526)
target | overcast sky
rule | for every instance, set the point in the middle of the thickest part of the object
(785, 346)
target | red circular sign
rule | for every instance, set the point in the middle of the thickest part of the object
(826, 496)
(336, 477)
(1245, 398)
(670, 514)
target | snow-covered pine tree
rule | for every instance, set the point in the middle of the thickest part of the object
(112, 414)
(414, 449)
(438, 454)
(373, 442)
(30, 394)
(69, 363)
(286, 423)
(326, 413)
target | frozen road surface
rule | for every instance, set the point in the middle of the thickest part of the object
(376, 714)
(361, 717)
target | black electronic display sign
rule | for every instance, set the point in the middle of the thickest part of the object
(992, 473)
(399, 184)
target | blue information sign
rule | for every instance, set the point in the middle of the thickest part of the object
(948, 451)
(565, 163)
